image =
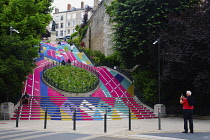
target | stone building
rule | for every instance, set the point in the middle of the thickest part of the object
(99, 34)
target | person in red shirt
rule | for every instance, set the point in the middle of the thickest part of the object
(187, 111)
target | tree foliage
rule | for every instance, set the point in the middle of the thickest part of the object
(183, 30)
(146, 84)
(137, 23)
(185, 53)
(17, 51)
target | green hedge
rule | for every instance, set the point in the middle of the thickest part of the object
(71, 79)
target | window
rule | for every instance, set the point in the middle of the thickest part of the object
(69, 23)
(56, 26)
(74, 23)
(82, 14)
(68, 31)
(61, 18)
(74, 16)
(57, 18)
(73, 30)
(61, 33)
(61, 25)
(68, 16)
(56, 33)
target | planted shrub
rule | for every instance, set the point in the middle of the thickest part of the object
(72, 79)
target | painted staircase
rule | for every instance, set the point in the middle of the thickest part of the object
(86, 108)
(114, 96)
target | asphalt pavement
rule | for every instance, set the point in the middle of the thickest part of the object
(169, 128)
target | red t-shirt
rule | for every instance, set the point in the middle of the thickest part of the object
(186, 104)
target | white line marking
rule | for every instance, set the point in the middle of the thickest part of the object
(156, 137)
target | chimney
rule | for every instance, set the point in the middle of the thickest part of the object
(56, 10)
(68, 7)
(82, 5)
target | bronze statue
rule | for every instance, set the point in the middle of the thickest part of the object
(53, 26)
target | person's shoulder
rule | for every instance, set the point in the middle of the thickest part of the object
(185, 99)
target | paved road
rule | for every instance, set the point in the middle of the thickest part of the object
(175, 136)
(147, 129)
(18, 134)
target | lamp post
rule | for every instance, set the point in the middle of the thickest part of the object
(159, 109)
(13, 30)
(158, 41)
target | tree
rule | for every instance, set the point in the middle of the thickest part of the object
(137, 23)
(185, 53)
(17, 52)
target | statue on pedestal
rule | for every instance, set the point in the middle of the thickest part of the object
(53, 26)
(53, 33)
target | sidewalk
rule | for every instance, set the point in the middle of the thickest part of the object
(117, 128)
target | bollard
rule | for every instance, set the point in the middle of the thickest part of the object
(17, 118)
(5, 112)
(105, 122)
(45, 119)
(129, 119)
(74, 119)
(159, 121)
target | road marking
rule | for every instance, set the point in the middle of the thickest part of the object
(206, 137)
(156, 137)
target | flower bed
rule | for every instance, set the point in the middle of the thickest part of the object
(71, 79)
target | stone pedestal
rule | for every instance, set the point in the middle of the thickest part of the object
(53, 37)
(162, 109)
(7, 110)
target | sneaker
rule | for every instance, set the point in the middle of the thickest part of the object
(191, 131)
(184, 132)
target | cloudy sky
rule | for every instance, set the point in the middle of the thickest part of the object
(62, 4)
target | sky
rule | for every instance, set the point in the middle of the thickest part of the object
(62, 4)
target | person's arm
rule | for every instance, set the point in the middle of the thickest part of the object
(28, 97)
(23, 97)
(181, 99)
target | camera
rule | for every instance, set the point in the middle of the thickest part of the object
(182, 96)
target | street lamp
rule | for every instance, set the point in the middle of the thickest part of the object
(158, 41)
(159, 109)
(13, 30)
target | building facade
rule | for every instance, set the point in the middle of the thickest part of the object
(66, 21)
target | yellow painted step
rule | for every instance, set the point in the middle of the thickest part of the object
(42, 112)
(115, 116)
(65, 116)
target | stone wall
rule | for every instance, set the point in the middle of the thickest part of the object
(98, 36)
